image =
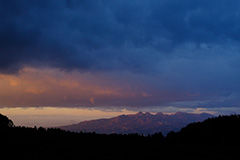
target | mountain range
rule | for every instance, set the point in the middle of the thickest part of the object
(141, 123)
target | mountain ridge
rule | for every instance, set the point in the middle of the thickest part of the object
(141, 123)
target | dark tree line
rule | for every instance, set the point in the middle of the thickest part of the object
(5, 122)
(221, 130)
(213, 138)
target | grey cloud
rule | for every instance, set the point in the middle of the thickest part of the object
(129, 35)
(185, 47)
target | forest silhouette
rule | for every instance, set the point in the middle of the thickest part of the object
(214, 138)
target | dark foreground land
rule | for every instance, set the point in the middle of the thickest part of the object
(214, 138)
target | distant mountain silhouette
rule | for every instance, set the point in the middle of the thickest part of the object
(141, 123)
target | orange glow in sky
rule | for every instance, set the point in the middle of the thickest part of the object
(51, 87)
(53, 117)
(51, 97)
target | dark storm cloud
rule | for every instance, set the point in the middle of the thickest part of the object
(188, 49)
(110, 35)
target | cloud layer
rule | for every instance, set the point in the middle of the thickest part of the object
(114, 35)
(168, 52)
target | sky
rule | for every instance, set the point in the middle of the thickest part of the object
(119, 56)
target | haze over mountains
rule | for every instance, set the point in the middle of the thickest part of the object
(141, 123)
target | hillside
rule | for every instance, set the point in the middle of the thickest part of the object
(221, 130)
(192, 142)
(141, 123)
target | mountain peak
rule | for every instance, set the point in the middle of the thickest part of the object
(148, 114)
(159, 113)
(140, 113)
